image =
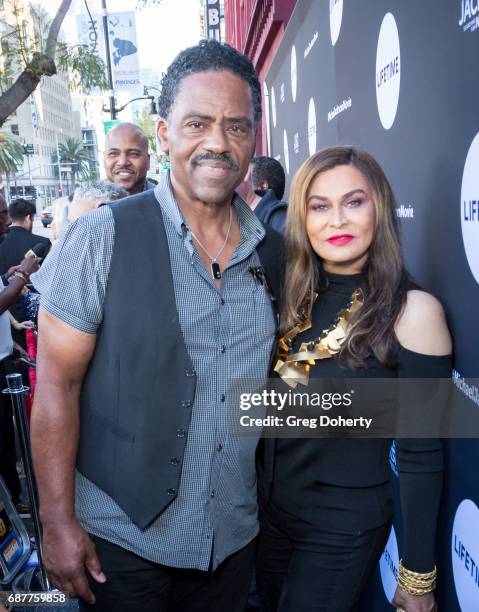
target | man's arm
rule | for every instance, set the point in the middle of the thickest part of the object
(16, 284)
(63, 357)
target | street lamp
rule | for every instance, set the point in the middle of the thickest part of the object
(154, 106)
(58, 162)
(112, 110)
(153, 109)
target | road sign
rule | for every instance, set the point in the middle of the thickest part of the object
(107, 125)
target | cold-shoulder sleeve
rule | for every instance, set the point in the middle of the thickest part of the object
(420, 463)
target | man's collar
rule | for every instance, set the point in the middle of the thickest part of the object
(249, 223)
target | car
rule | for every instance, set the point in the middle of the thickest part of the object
(46, 216)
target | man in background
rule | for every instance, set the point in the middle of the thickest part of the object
(20, 238)
(126, 159)
(17, 242)
(263, 190)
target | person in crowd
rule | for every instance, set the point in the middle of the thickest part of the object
(325, 503)
(20, 237)
(126, 159)
(267, 174)
(60, 208)
(17, 242)
(17, 279)
(150, 307)
(263, 190)
(90, 195)
(85, 198)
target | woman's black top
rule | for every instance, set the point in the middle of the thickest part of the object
(343, 484)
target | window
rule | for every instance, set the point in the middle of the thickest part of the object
(14, 129)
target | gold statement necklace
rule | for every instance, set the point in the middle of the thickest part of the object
(294, 367)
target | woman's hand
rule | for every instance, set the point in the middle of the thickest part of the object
(414, 603)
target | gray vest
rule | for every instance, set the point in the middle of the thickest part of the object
(138, 393)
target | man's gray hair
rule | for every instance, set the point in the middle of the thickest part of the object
(104, 190)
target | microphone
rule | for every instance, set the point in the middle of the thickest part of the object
(259, 275)
(40, 250)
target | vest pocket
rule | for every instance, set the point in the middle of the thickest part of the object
(100, 420)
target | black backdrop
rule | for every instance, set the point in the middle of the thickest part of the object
(429, 73)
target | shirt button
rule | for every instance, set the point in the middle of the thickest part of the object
(185, 404)
(219, 448)
(180, 433)
(171, 492)
(212, 493)
(223, 397)
(174, 461)
(222, 348)
(222, 302)
(189, 372)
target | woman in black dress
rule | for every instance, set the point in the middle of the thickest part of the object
(325, 504)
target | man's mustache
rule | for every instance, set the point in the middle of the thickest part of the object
(220, 157)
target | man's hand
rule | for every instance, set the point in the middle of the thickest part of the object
(11, 270)
(29, 265)
(414, 603)
(67, 551)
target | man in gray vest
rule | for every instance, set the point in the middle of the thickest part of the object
(151, 307)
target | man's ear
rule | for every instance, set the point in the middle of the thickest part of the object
(162, 133)
(264, 185)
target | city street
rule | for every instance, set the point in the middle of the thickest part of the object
(40, 230)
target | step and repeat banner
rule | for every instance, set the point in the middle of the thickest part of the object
(401, 80)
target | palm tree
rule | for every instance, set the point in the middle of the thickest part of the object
(75, 156)
(11, 155)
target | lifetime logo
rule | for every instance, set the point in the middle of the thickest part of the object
(471, 210)
(389, 71)
(390, 563)
(469, 564)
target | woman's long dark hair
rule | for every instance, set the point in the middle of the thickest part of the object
(372, 326)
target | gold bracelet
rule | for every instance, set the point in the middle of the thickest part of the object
(416, 575)
(22, 275)
(416, 583)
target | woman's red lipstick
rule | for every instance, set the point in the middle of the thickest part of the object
(340, 239)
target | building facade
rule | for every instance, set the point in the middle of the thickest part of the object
(91, 146)
(256, 28)
(43, 121)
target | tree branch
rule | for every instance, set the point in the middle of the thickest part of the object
(17, 93)
(55, 26)
(41, 64)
